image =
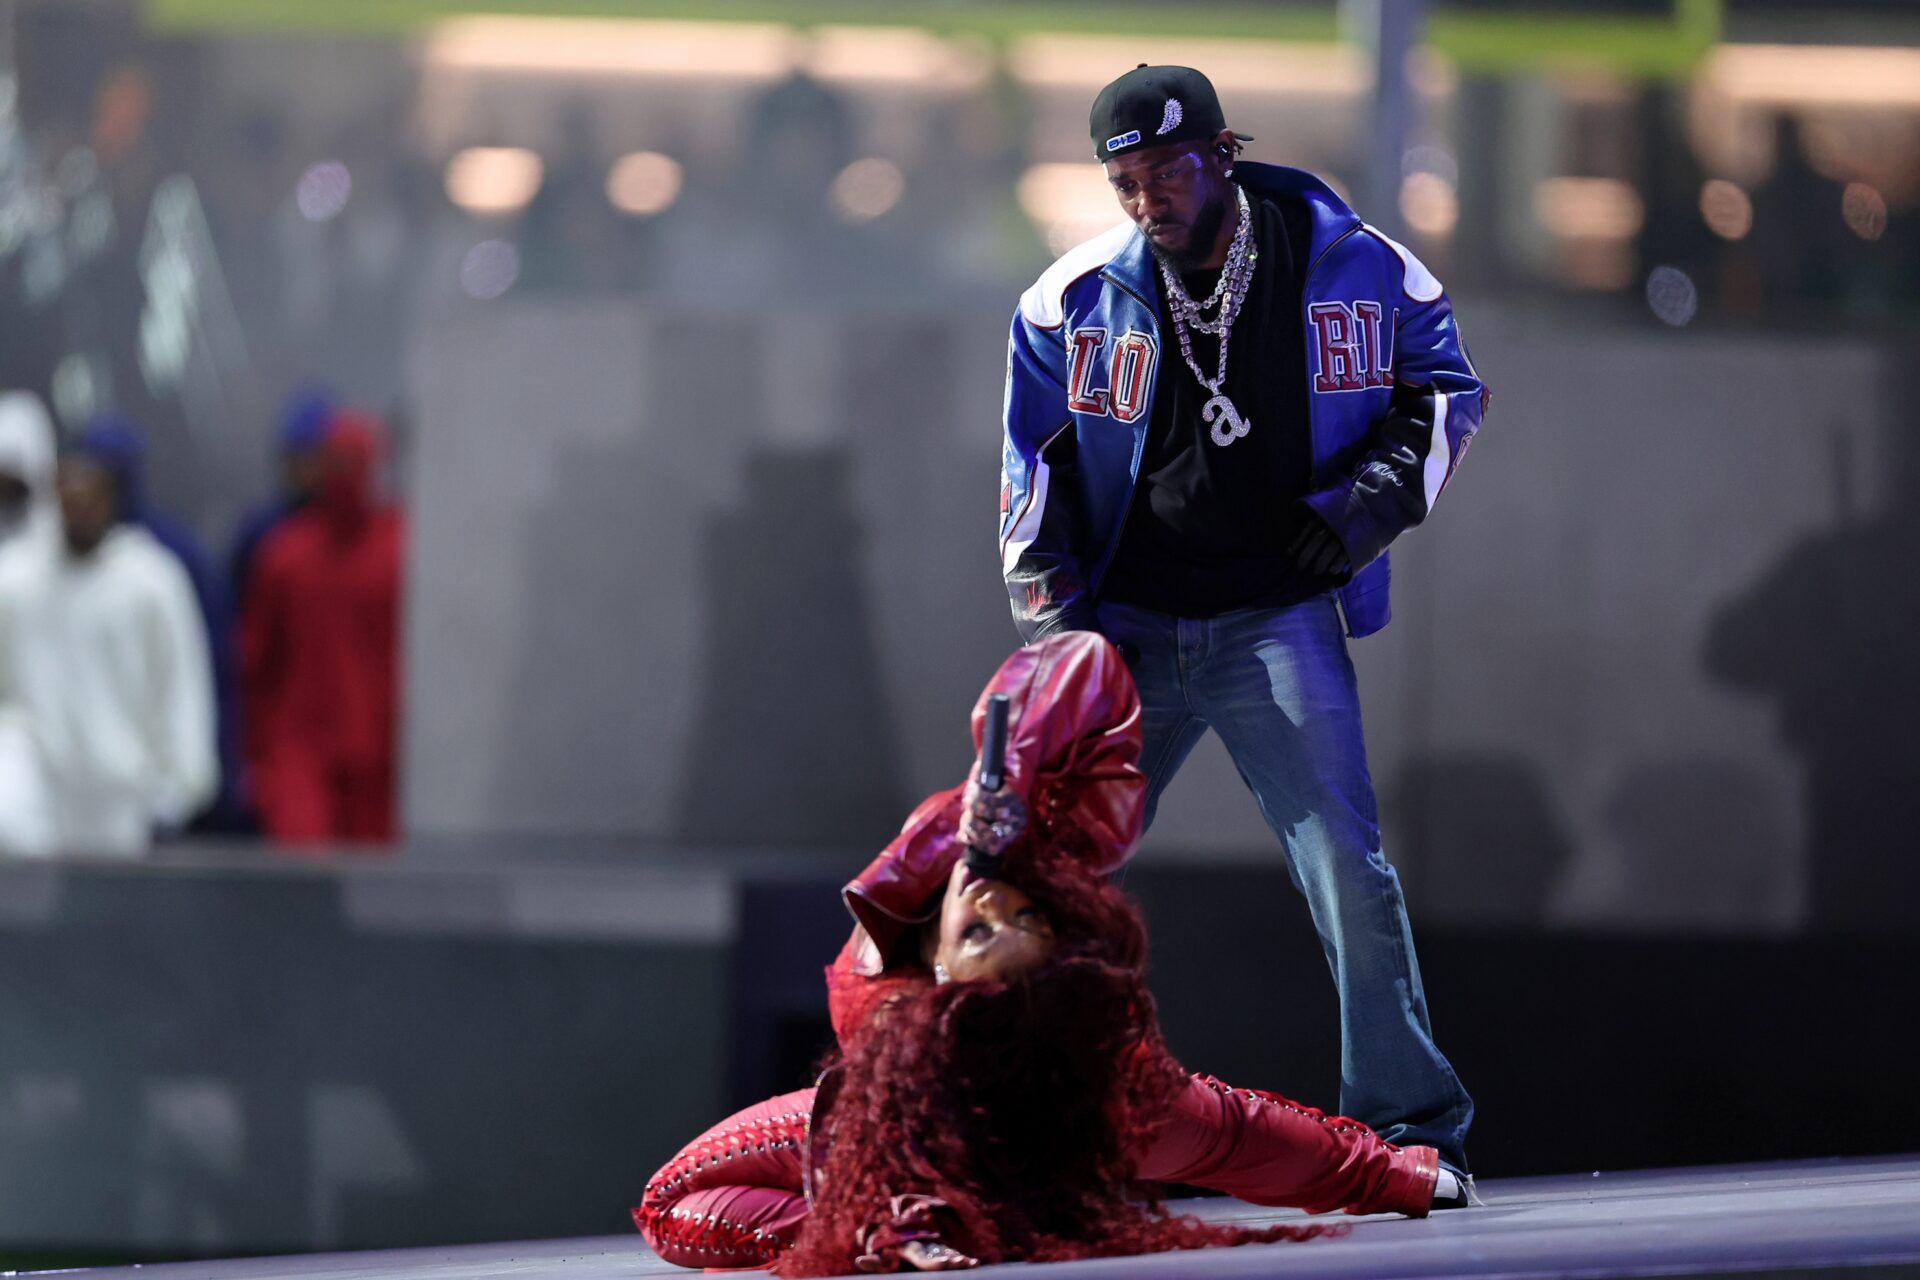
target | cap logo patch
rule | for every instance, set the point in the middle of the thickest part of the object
(1120, 140)
(1170, 118)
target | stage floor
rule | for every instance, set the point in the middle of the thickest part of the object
(1810, 1217)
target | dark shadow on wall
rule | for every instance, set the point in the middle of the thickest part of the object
(791, 740)
(1825, 634)
(1702, 844)
(1486, 846)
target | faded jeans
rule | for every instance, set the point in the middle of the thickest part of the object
(1278, 687)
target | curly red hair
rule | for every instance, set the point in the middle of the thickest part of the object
(1018, 1105)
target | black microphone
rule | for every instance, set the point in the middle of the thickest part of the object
(993, 769)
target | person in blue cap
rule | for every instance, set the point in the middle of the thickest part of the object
(118, 445)
(303, 425)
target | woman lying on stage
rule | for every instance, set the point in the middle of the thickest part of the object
(1002, 1091)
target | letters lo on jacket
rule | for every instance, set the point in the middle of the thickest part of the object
(1393, 401)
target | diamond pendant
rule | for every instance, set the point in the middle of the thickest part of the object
(1231, 425)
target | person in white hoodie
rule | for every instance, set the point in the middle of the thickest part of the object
(106, 706)
(29, 512)
(29, 531)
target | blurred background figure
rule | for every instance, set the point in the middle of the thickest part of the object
(117, 444)
(319, 648)
(303, 423)
(107, 685)
(29, 523)
(303, 426)
(1823, 634)
(28, 510)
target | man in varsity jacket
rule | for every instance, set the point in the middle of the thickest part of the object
(1223, 515)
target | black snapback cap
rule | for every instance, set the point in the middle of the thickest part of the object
(1151, 106)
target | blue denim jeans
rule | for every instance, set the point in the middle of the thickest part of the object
(1279, 689)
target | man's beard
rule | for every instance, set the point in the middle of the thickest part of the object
(1200, 237)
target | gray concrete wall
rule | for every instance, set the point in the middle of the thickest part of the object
(712, 576)
(221, 1056)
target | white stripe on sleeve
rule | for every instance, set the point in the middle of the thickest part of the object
(1439, 453)
(1027, 527)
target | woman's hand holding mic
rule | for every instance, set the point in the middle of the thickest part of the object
(991, 820)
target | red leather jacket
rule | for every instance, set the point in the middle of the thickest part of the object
(1073, 746)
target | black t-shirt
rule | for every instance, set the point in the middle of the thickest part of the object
(1208, 527)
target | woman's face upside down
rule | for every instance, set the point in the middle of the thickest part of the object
(988, 929)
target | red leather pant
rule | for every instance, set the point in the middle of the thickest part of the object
(733, 1197)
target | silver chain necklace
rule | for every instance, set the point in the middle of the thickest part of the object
(1236, 275)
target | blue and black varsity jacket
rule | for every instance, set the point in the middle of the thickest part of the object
(1395, 401)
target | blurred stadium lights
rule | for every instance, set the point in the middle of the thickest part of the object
(43, 270)
(1778, 75)
(493, 180)
(1837, 141)
(76, 172)
(904, 55)
(1726, 209)
(90, 226)
(1429, 204)
(1593, 86)
(1864, 210)
(1672, 296)
(1429, 190)
(1432, 73)
(644, 183)
(489, 269)
(80, 388)
(867, 188)
(1859, 130)
(1268, 80)
(1594, 221)
(756, 52)
(191, 340)
(1650, 38)
(323, 190)
(1263, 67)
(1429, 158)
(666, 76)
(169, 271)
(762, 52)
(1588, 208)
(1068, 202)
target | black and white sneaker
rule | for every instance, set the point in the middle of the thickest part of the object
(1454, 1191)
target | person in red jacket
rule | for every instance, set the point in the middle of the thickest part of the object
(1002, 1089)
(319, 653)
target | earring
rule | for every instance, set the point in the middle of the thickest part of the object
(1229, 171)
(940, 975)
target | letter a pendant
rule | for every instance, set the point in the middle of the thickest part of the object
(1230, 427)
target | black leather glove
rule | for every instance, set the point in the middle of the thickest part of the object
(1315, 549)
